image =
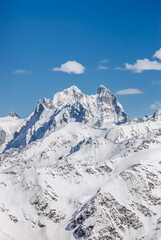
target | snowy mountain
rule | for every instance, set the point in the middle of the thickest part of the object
(71, 105)
(79, 168)
(13, 114)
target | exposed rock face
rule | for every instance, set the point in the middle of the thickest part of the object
(75, 170)
(2, 136)
(157, 115)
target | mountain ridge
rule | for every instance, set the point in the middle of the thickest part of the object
(70, 105)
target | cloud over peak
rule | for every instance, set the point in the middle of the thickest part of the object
(70, 67)
(129, 91)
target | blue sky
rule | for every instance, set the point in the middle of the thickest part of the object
(37, 37)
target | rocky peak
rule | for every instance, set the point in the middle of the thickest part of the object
(103, 106)
(73, 89)
(48, 103)
(67, 97)
(105, 96)
(39, 107)
(157, 115)
(13, 114)
(102, 90)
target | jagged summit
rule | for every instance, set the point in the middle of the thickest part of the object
(102, 107)
(68, 96)
(48, 103)
(157, 114)
(73, 88)
(103, 90)
(13, 114)
(70, 105)
(39, 105)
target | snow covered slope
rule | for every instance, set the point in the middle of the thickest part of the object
(77, 179)
(8, 126)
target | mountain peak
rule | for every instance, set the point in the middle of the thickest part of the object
(68, 96)
(13, 114)
(39, 107)
(157, 115)
(73, 88)
(102, 107)
(102, 90)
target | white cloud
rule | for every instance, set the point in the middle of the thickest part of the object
(142, 65)
(20, 71)
(71, 67)
(129, 91)
(158, 54)
(155, 105)
(102, 65)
